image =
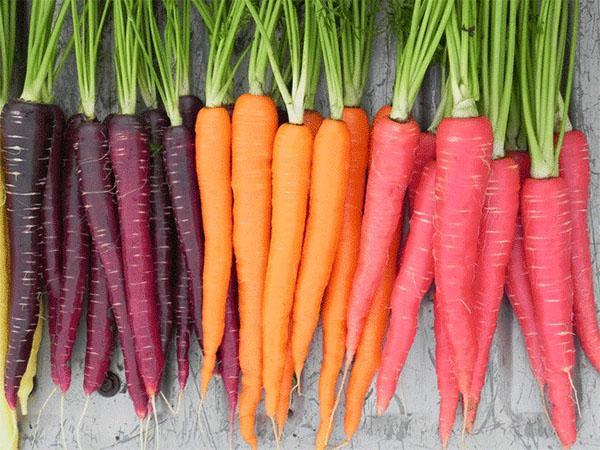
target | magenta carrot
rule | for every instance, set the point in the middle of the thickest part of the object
(412, 283)
(574, 166)
(100, 329)
(75, 242)
(394, 142)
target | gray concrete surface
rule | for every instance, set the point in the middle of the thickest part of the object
(511, 413)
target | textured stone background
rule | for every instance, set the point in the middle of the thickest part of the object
(511, 414)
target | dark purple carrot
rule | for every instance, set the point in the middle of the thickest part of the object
(229, 350)
(96, 184)
(129, 153)
(162, 227)
(179, 157)
(27, 133)
(183, 317)
(75, 244)
(52, 223)
(100, 329)
(189, 105)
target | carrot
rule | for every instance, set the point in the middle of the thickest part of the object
(290, 168)
(394, 143)
(446, 380)
(369, 352)
(129, 153)
(336, 295)
(545, 198)
(100, 329)
(412, 283)
(313, 120)
(424, 155)
(574, 167)
(253, 128)
(287, 379)
(213, 168)
(498, 221)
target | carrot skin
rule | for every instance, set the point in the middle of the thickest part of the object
(329, 184)
(183, 317)
(52, 223)
(27, 138)
(229, 350)
(393, 147)
(313, 120)
(189, 105)
(129, 153)
(335, 301)
(75, 241)
(292, 151)
(446, 380)
(100, 329)
(285, 395)
(464, 149)
(412, 283)
(96, 186)
(574, 165)
(213, 167)
(369, 352)
(425, 153)
(162, 225)
(547, 236)
(253, 128)
(496, 236)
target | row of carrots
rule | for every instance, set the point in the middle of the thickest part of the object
(244, 226)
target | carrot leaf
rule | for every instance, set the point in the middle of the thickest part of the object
(8, 14)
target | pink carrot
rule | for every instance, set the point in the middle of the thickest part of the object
(412, 283)
(425, 153)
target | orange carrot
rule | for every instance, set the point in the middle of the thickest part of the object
(368, 354)
(285, 395)
(313, 120)
(253, 130)
(213, 167)
(336, 296)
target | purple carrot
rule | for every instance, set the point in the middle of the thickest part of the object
(229, 350)
(183, 319)
(75, 244)
(189, 105)
(129, 153)
(100, 329)
(96, 184)
(180, 162)
(162, 225)
(27, 137)
(52, 224)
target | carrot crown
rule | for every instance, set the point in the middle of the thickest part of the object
(543, 42)
(87, 30)
(330, 46)
(302, 51)
(42, 49)
(498, 36)
(7, 46)
(127, 15)
(269, 13)
(357, 24)
(429, 18)
(462, 44)
(222, 19)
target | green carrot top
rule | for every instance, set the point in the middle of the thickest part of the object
(544, 28)
(463, 49)
(498, 24)
(302, 51)
(415, 52)
(42, 49)
(87, 30)
(8, 15)
(222, 19)
(357, 19)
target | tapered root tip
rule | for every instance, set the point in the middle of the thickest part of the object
(444, 443)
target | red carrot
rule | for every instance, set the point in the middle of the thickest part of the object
(100, 329)
(183, 318)
(412, 283)
(425, 153)
(75, 242)
(574, 166)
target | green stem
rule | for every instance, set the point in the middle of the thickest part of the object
(428, 22)
(270, 11)
(7, 46)
(126, 15)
